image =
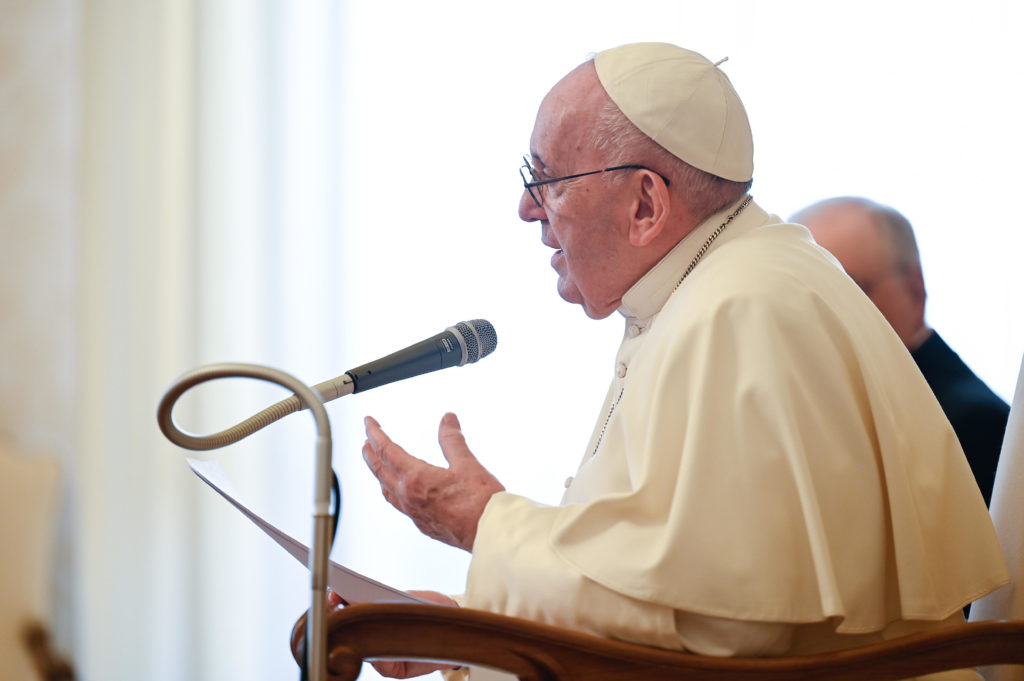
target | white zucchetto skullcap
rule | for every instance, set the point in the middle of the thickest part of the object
(683, 102)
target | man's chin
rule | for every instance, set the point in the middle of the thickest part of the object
(572, 295)
(598, 314)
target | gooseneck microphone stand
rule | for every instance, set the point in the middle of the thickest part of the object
(463, 343)
(309, 398)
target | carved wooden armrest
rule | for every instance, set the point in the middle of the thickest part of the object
(539, 652)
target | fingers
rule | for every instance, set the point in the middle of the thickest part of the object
(404, 670)
(443, 502)
(381, 455)
(376, 440)
(384, 456)
(403, 478)
(435, 597)
(334, 600)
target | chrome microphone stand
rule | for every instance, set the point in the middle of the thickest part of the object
(307, 398)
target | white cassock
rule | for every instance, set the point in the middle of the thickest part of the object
(770, 474)
(1007, 603)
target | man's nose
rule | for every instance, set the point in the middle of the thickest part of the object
(529, 211)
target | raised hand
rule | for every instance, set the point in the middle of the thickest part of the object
(444, 503)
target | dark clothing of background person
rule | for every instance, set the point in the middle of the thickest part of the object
(977, 414)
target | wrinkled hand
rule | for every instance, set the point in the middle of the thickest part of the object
(399, 669)
(444, 503)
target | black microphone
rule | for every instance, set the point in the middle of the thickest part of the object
(464, 343)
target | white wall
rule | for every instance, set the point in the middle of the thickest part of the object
(911, 103)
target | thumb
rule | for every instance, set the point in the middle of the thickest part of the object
(453, 443)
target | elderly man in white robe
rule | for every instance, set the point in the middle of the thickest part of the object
(770, 474)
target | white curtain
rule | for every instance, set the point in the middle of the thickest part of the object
(310, 185)
(137, 514)
(202, 243)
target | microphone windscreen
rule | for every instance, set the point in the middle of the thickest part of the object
(480, 337)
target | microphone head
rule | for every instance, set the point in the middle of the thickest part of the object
(480, 338)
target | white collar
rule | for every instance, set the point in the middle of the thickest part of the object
(648, 295)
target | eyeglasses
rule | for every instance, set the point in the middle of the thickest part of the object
(534, 184)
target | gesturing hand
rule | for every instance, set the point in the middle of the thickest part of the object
(444, 503)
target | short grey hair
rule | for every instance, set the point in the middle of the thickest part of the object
(615, 136)
(894, 225)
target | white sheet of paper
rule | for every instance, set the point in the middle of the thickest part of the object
(350, 585)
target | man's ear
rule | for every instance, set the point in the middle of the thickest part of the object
(915, 286)
(651, 209)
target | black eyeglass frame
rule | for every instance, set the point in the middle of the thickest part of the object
(534, 182)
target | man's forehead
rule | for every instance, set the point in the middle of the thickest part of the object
(565, 114)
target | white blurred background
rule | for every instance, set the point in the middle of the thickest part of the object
(312, 185)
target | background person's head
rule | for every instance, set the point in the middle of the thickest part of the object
(875, 245)
(674, 119)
